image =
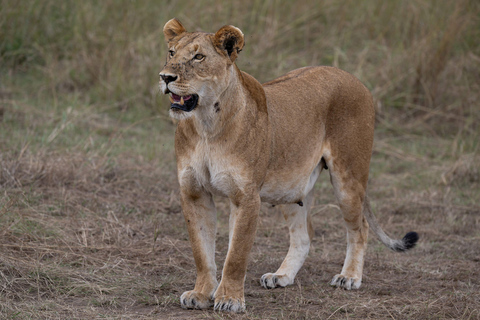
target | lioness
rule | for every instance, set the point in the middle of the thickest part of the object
(251, 143)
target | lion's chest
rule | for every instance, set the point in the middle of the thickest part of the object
(213, 170)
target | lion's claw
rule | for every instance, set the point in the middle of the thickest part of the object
(229, 304)
(348, 283)
(195, 300)
(272, 280)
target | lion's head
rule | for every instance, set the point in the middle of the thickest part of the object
(198, 68)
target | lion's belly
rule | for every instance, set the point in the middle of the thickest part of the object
(288, 187)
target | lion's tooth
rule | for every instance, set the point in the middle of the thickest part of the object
(181, 101)
(171, 99)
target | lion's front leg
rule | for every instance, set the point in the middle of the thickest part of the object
(243, 223)
(200, 217)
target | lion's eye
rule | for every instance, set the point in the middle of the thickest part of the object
(171, 53)
(199, 56)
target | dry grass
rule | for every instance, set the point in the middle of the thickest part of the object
(81, 240)
(90, 220)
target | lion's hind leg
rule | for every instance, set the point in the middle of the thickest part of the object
(301, 232)
(350, 190)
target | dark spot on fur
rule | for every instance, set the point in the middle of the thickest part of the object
(216, 106)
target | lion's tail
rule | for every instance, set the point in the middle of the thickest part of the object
(408, 241)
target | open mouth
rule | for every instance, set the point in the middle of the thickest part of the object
(184, 103)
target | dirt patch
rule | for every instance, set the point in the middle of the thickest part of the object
(87, 238)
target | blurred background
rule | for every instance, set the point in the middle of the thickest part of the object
(419, 58)
(87, 170)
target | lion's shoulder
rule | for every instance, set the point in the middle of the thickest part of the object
(255, 90)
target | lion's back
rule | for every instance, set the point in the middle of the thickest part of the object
(305, 96)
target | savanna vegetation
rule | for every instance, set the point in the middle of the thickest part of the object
(90, 218)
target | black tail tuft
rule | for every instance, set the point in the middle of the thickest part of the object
(410, 240)
(407, 243)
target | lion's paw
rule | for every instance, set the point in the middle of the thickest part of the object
(345, 282)
(272, 280)
(195, 300)
(225, 303)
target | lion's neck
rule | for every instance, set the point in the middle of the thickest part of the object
(222, 114)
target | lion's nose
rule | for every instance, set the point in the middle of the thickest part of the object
(168, 77)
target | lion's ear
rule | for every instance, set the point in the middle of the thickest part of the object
(230, 40)
(172, 29)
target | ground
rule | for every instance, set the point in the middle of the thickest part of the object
(82, 238)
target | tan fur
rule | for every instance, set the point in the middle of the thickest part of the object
(254, 143)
